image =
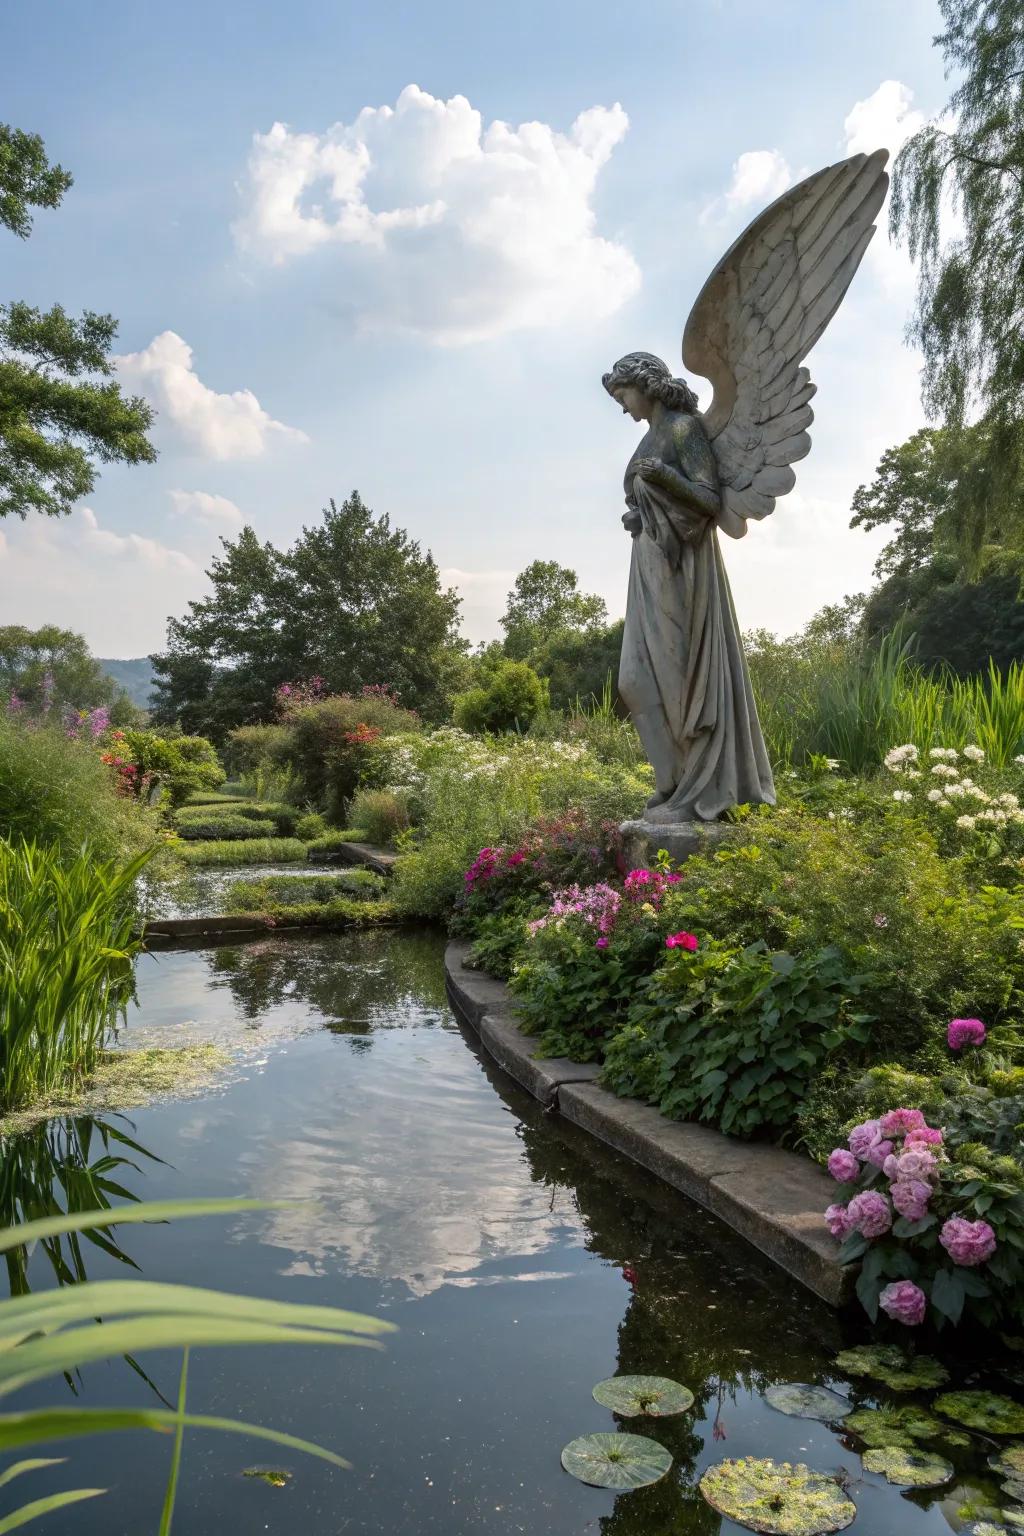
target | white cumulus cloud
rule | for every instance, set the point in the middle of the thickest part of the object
(883, 120)
(221, 426)
(207, 507)
(759, 176)
(439, 224)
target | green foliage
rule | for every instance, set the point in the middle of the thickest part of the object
(735, 1036)
(328, 744)
(310, 826)
(381, 814)
(222, 826)
(509, 700)
(263, 850)
(66, 952)
(57, 792)
(275, 891)
(50, 667)
(354, 601)
(544, 606)
(324, 846)
(283, 818)
(500, 938)
(27, 179)
(181, 764)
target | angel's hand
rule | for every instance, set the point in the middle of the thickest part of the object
(632, 522)
(649, 468)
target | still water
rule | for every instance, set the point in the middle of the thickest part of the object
(521, 1263)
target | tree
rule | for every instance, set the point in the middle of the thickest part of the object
(544, 603)
(60, 409)
(354, 601)
(52, 667)
(971, 282)
(509, 700)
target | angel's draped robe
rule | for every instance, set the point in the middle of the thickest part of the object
(683, 675)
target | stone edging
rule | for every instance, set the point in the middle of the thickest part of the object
(773, 1198)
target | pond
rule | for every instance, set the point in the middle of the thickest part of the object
(521, 1262)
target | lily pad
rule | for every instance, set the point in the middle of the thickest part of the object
(985, 1528)
(656, 1397)
(777, 1498)
(1014, 1489)
(1014, 1518)
(616, 1461)
(885, 1362)
(881, 1428)
(988, 1411)
(1009, 1461)
(909, 1469)
(802, 1401)
(276, 1477)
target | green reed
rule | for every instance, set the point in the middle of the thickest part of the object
(66, 951)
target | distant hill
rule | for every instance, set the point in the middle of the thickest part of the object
(134, 674)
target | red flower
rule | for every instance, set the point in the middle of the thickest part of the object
(681, 941)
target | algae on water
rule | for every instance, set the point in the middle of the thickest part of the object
(908, 1469)
(777, 1498)
(128, 1080)
(884, 1362)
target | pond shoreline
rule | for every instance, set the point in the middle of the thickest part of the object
(773, 1198)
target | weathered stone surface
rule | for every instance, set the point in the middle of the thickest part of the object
(472, 992)
(680, 840)
(381, 860)
(544, 1077)
(187, 927)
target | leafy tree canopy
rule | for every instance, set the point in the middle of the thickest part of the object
(60, 409)
(354, 601)
(971, 278)
(53, 666)
(545, 602)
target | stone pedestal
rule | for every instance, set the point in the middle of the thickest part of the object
(643, 839)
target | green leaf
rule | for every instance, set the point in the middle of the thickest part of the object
(653, 1396)
(46, 1506)
(948, 1294)
(36, 1426)
(29, 1466)
(802, 1401)
(151, 1210)
(616, 1460)
(777, 1499)
(908, 1469)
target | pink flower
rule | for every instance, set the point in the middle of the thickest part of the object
(842, 1165)
(968, 1242)
(899, 1121)
(839, 1223)
(904, 1302)
(910, 1197)
(916, 1163)
(869, 1213)
(862, 1137)
(878, 1152)
(681, 941)
(601, 943)
(963, 1032)
(926, 1136)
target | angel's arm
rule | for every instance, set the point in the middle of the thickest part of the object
(691, 489)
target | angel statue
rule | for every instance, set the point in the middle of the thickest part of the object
(683, 675)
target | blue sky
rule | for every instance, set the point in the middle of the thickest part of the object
(420, 304)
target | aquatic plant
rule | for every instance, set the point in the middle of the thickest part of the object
(777, 1498)
(616, 1460)
(907, 1468)
(898, 1370)
(880, 1428)
(655, 1397)
(263, 850)
(802, 1401)
(46, 1335)
(988, 1411)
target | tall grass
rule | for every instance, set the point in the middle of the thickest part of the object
(843, 702)
(66, 951)
(261, 850)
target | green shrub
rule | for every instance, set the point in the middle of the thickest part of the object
(57, 792)
(212, 797)
(510, 699)
(67, 947)
(258, 895)
(500, 941)
(311, 826)
(222, 826)
(341, 912)
(733, 1036)
(326, 742)
(282, 817)
(264, 850)
(323, 847)
(181, 764)
(381, 814)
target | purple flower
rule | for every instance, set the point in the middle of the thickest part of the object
(968, 1242)
(963, 1032)
(899, 1121)
(904, 1302)
(862, 1137)
(601, 943)
(842, 1165)
(910, 1197)
(878, 1152)
(839, 1223)
(869, 1213)
(916, 1163)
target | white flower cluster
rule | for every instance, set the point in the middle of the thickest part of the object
(902, 759)
(955, 787)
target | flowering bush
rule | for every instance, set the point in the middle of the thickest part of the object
(986, 818)
(937, 1227)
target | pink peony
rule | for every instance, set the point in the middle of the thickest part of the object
(878, 1152)
(899, 1121)
(862, 1137)
(891, 1166)
(926, 1136)
(601, 943)
(968, 1242)
(916, 1163)
(910, 1197)
(681, 941)
(842, 1165)
(904, 1302)
(838, 1221)
(869, 1213)
(963, 1032)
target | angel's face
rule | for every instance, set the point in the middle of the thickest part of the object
(634, 402)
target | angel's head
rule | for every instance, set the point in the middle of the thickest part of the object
(640, 379)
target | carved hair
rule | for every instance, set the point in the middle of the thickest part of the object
(650, 375)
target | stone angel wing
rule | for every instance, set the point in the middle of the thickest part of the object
(760, 313)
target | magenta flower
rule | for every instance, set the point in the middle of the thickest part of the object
(878, 1152)
(910, 1197)
(601, 943)
(963, 1032)
(968, 1242)
(899, 1121)
(839, 1223)
(926, 1136)
(863, 1137)
(681, 941)
(904, 1302)
(869, 1213)
(842, 1165)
